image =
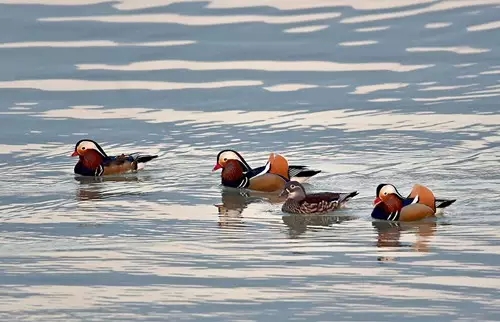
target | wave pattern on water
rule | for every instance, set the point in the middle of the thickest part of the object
(367, 91)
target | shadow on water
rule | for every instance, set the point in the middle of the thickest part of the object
(99, 188)
(299, 224)
(235, 201)
(389, 235)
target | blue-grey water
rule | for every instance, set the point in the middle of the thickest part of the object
(367, 91)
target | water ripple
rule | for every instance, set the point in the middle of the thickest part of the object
(367, 91)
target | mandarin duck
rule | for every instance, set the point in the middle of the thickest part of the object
(298, 173)
(271, 179)
(93, 161)
(421, 203)
(299, 202)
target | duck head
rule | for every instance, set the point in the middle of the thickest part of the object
(293, 190)
(83, 147)
(227, 155)
(385, 192)
(388, 195)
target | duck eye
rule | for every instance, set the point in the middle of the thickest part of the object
(225, 159)
(83, 148)
(292, 186)
(385, 193)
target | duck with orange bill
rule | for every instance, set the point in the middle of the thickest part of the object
(298, 173)
(93, 161)
(236, 173)
(421, 203)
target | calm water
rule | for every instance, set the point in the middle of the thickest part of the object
(367, 91)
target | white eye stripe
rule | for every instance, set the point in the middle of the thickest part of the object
(87, 145)
(228, 156)
(387, 190)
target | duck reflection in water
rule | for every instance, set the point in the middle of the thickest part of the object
(97, 188)
(298, 224)
(389, 234)
(235, 201)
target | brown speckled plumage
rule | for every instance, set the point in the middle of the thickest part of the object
(299, 202)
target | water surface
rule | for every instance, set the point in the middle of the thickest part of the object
(367, 91)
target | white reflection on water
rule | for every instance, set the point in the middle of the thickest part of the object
(358, 43)
(372, 29)
(367, 89)
(341, 119)
(288, 87)
(462, 50)
(486, 26)
(153, 246)
(434, 7)
(94, 43)
(227, 4)
(87, 85)
(198, 20)
(306, 29)
(438, 25)
(263, 65)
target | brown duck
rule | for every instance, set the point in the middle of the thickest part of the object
(93, 161)
(299, 202)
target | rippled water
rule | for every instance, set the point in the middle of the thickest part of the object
(367, 91)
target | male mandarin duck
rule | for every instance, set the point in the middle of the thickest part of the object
(299, 202)
(236, 172)
(95, 162)
(298, 173)
(421, 203)
(272, 178)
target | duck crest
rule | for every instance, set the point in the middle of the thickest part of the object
(241, 159)
(99, 148)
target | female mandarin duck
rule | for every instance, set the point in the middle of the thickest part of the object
(275, 173)
(421, 203)
(299, 202)
(271, 178)
(95, 162)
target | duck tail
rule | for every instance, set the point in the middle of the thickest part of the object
(301, 173)
(443, 203)
(344, 197)
(145, 158)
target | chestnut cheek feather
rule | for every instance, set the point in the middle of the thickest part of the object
(394, 203)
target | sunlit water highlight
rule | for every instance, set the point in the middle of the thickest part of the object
(366, 91)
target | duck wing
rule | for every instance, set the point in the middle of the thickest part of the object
(119, 164)
(142, 157)
(425, 196)
(331, 196)
(324, 202)
(276, 165)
